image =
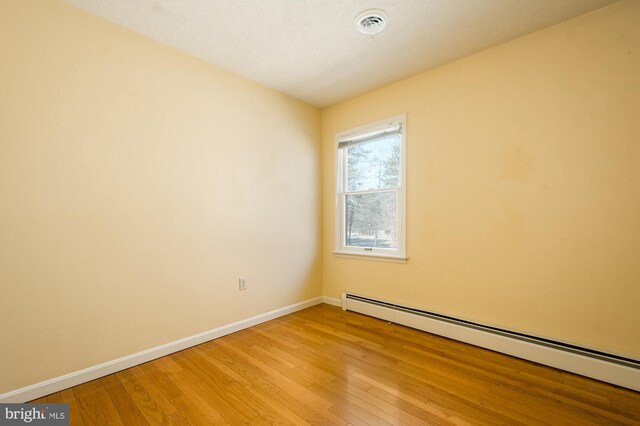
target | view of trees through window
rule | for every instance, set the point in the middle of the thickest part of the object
(373, 179)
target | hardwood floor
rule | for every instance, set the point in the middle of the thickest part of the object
(326, 366)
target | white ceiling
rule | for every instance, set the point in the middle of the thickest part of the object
(310, 49)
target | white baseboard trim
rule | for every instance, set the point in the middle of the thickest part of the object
(331, 301)
(599, 369)
(66, 381)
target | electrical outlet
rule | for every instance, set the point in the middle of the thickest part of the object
(242, 283)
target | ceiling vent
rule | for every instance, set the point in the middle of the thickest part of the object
(371, 21)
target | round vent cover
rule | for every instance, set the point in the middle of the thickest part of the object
(371, 21)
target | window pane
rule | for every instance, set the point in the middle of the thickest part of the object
(374, 165)
(371, 220)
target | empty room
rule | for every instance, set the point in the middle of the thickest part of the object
(327, 212)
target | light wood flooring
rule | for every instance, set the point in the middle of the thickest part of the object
(325, 366)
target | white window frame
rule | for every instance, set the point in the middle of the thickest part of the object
(373, 253)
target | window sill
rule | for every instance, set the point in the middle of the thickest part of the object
(371, 256)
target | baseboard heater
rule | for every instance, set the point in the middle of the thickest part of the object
(615, 369)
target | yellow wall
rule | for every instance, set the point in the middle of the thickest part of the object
(523, 196)
(136, 185)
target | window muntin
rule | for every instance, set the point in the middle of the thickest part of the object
(370, 190)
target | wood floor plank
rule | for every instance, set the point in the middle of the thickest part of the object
(54, 398)
(293, 386)
(255, 391)
(155, 409)
(67, 397)
(195, 397)
(218, 388)
(325, 366)
(90, 409)
(383, 408)
(127, 408)
(353, 405)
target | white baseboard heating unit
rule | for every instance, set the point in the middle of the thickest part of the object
(610, 368)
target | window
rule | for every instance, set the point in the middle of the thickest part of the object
(370, 195)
